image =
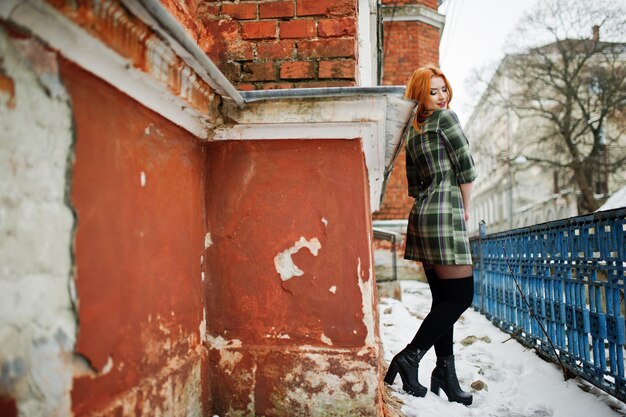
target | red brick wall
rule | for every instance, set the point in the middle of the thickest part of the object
(269, 44)
(8, 408)
(407, 46)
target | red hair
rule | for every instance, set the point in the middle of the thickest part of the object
(418, 89)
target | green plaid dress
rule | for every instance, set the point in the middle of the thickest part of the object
(435, 167)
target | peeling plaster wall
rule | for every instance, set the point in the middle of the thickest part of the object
(37, 323)
(138, 191)
(292, 327)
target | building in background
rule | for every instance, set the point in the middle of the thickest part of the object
(525, 175)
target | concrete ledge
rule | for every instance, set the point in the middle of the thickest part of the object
(413, 13)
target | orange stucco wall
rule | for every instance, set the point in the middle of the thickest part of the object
(180, 302)
(263, 197)
(138, 192)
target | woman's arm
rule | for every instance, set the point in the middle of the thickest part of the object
(466, 194)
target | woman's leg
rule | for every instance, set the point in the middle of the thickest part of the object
(454, 295)
(443, 347)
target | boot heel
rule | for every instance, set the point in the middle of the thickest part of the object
(434, 386)
(391, 373)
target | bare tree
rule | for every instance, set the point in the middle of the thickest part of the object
(566, 78)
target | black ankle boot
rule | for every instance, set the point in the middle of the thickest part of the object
(444, 377)
(407, 363)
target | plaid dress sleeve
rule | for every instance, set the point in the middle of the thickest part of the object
(459, 147)
(412, 174)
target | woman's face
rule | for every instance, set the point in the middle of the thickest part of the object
(438, 94)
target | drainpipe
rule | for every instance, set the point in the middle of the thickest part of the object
(158, 18)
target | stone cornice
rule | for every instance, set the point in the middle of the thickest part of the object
(413, 13)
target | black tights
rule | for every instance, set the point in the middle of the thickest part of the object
(451, 297)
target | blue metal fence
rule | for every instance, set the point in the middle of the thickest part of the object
(572, 274)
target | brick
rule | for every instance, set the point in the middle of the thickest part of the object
(294, 29)
(276, 9)
(229, 30)
(209, 11)
(245, 87)
(258, 30)
(276, 86)
(258, 71)
(326, 7)
(345, 26)
(240, 51)
(297, 70)
(240, 10)
(327, 48)
(275, 50)
(337, 69)
(232, 71)
(329, 83)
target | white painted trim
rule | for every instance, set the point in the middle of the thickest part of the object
(45, 22)
(413, 13)
(258, 131)
(367, 43)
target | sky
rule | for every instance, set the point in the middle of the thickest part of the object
(474, 35)
(517, 383)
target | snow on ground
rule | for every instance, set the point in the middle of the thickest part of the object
(617, 200)
(519, 383)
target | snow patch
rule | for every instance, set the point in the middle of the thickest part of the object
(516, 381)
(617, 200)
(207, 240)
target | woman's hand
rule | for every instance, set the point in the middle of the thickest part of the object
(466, 193)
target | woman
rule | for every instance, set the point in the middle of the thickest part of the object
(440, 171)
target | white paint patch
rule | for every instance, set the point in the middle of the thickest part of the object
(283, 262)
(202, 277)
(207, 240)
(325, 222)
(228, 359)
(333, 289)
(107, 366)
(201, 259)
(326, 339)
(143, 179)
(277, 336)
(367, 300)
(334, 393)
(202, 328)
(164, 329)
